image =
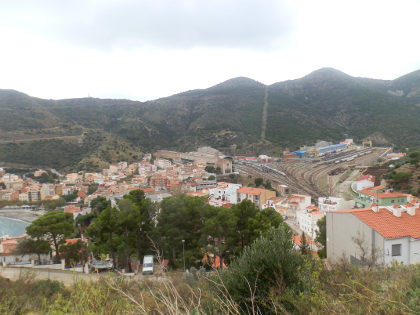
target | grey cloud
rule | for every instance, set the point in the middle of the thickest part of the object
(174, 24)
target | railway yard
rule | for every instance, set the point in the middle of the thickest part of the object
(314, 176)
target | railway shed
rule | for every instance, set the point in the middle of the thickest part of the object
(331, 148)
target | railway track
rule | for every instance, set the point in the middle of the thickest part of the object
(303, 176)
(294, 186)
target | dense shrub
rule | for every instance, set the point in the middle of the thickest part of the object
(269, 263)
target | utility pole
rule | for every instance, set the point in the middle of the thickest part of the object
(183, 252)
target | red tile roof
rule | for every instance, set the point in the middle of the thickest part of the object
(252, 190)
(297, 239)
(367, 177)
(382, 195)
(71, 209)
(388, 225)
(75, 240)
(147, 190)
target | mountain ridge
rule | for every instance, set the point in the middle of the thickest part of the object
(325, 104)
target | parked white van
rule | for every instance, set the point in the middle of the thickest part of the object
(147, 265)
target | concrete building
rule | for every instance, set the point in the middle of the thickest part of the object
(46, 190)
(225, 165)
(159, 182)
(34, 194)
(378, 195)
(301, 153)
(365, 181)
(224, 193)
(307, 220)
(296, 203)
(326, 204)
(162, 163)
(257, 195)
(384, 234)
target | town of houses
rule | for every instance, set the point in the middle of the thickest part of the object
(388, 221)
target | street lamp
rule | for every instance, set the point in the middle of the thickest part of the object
(183, 252)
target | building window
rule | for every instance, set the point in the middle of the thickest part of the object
(396, 250)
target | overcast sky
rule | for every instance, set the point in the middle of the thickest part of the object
(145, 49)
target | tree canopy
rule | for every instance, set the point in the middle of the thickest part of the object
(52, 226)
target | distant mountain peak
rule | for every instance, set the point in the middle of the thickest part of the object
(326, 73)
(238, 82)
(11, 92)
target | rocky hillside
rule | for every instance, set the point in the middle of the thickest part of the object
(326, 104)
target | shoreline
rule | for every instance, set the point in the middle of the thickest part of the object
(21, 214)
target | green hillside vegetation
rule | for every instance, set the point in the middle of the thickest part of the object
(97, 151)
(404, 176)
(256, 283)
(266, 273)
(326, 104)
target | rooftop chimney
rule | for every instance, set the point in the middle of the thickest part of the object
(375, 207)
(411, 209)
(396, 211)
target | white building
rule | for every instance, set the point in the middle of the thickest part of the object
(162, 163)
(224, 193)
(307, 220)
(387, 233)
(288, 206)
(365, 181)
(326, 204)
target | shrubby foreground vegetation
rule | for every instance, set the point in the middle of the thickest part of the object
(270, 277)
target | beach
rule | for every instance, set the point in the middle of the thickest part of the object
(21, 214)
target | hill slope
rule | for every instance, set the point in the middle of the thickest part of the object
(326, 104)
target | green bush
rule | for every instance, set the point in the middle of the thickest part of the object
(402, 177)
(270, 262)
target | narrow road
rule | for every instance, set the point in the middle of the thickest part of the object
(264, 114)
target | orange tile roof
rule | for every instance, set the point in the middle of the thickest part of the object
(213, 260)
(350, 210)
(316, 212)
(146, 190)
(196, 194)
(71, 209)
(75, 240)
(382, 195)
(81, 194)
(297, 239)
(297, 196)
(388, 225)
(276, 199)
(252, 190)
(367, 177)
(312, 207)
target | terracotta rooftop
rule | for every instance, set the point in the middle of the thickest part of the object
(297, 239)
(252, 190)
(71, 209)
(388, 225)
(297, 197)
(382, 195)
(367, 177)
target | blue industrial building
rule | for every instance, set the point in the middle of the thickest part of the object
(300, 154)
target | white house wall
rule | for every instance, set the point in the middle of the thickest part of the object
(410, 251)
(342, 229)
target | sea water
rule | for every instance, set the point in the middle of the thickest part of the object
(12, 227)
